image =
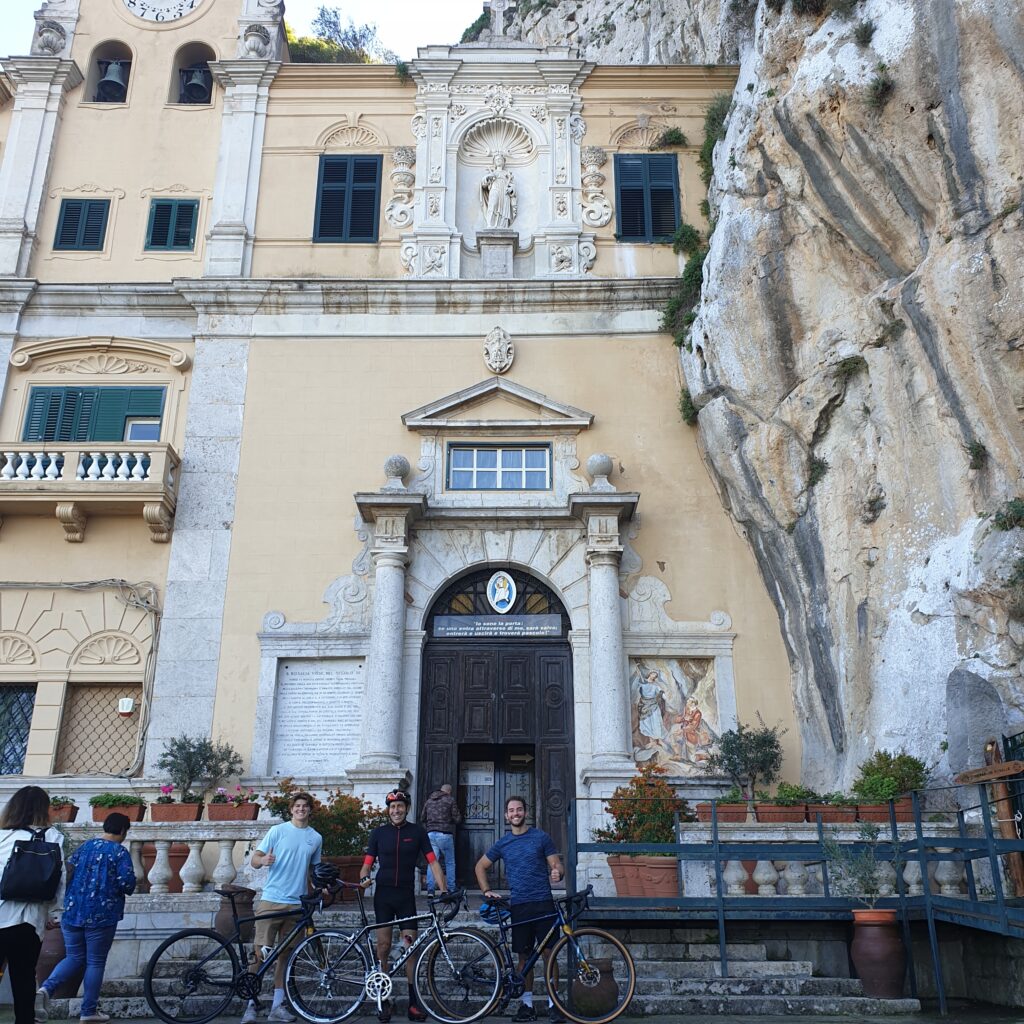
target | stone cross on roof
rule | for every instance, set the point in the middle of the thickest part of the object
(497, 10)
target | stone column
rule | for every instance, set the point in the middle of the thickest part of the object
(392, 512)
(40, 85)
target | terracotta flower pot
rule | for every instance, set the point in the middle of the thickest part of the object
(175, 812)
(50, 954)
(630, 876)
(880, 812)
(232, 812)
(832, 814)
(657, 876)
(780, 812)
(726, 812)
(133, 812)
(877, 953)
(65, 813)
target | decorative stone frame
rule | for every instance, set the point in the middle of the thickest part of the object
(87, 191)
(203, 196)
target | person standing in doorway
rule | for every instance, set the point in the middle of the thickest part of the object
(93, 906)
(289, 850)
(396, 847)
(22, 923)
(441, 814)
(532, 864)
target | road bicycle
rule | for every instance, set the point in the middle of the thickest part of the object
(589, 974)
(457, 976)
(195, 973)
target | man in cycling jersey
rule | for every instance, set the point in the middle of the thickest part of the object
(396, 848)
(531, 864)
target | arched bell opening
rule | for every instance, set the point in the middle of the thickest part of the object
(497, 706)
(109, 75)
(191, 80)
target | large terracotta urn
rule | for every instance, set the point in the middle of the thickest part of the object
(877, 953)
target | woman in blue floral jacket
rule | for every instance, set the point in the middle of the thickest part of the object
(93, 904)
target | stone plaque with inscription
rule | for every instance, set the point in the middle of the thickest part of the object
(317, 716)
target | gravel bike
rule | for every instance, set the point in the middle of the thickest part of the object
(589, 973)
(457, 976)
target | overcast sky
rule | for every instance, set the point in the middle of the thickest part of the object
(403, 24)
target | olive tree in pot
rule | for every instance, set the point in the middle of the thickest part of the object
(190, 761)
(748, 755)
(858, 871)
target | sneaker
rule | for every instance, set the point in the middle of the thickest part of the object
(384, 1013)
(525, 1013)
(42, 1008)
(283, 1014)
(251, 1015)
(96, 1017)
(555, 1015)
(417, 1013)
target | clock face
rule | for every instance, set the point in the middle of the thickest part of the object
(161, 10)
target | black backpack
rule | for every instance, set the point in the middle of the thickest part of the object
(32, 874)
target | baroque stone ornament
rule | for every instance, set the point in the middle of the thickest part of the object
(597, 210)
(256, 42)
(398, 212)
(561, 259)
(109, 650)
(497, 135)
(498, 98)
(50, 39)
(499, 352)
(498, 198)
(15, 651)
(396, 469)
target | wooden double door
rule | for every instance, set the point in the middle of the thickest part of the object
(497, 721)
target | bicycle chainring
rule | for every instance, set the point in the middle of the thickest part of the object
(378, 986)
(247, 986)
(513, 987)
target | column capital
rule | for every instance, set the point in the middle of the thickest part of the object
(389, 558)
(244, 71)
(23, 71)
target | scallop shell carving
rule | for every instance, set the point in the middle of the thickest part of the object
(352, 137)
(14, 651)
(109, 650)
(497, 136)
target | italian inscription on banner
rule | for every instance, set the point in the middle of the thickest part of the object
(464, 627)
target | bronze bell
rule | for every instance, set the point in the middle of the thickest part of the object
(197, 85)
(113, 85)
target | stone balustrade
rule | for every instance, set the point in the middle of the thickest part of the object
(196, 874)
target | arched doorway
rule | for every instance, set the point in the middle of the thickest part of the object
(497, 709)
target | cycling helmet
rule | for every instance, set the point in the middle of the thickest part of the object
(399, 796)
(324, 875)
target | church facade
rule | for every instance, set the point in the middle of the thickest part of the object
(337, 422)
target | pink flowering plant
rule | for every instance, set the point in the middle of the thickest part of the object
(166, 794)
(236, 799)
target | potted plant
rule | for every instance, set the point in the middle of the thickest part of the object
(63, 808)
(644, 811)
(133, 807)
(887, 776)
(191, 761)
(877, 949)
(732, 806)
(834, 809)
(241, 805)
(748, 755)
(788, 804)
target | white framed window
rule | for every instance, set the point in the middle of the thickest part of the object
(139, 428)
(499, 467)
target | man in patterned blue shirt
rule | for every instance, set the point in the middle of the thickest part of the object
(531, 864)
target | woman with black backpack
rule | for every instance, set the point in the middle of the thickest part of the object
(25, 877)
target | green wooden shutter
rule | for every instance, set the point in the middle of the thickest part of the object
(115, 405)
(332, 192)
(95, 224)
(60, 414)
(629, 187)
(348, 199)
(364, 199)
(663, 190)
(172, 224)
(82, 224)
(159, 232)
(68, 223)
(184, 234)
(43, 413)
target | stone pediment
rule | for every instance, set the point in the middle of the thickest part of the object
(498, 404)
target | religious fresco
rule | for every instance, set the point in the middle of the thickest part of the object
(674, 705)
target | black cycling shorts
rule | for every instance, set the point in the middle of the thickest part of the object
(390, 904)
(527, 934)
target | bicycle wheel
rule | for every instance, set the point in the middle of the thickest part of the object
(458, 977)
(325, 979)
(590, 976)
(190, 979)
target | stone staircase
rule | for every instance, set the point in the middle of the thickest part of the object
(678, 977)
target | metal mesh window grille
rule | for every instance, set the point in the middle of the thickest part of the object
(16, 703)
(93, 736)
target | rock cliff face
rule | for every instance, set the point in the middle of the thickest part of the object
(857, 354)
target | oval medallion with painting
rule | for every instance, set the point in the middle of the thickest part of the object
(501, 592)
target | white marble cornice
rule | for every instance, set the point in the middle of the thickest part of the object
(14, 294)
(244, 71)
(103, 299)
(24, 70)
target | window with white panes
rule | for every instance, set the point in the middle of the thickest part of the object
(499, 468)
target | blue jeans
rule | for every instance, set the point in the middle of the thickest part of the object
(444, 846)
(85, 950)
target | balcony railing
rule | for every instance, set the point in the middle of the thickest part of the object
(76, 481)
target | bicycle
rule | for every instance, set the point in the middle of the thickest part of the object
(589, 975)
(457, 976)
(195, 973)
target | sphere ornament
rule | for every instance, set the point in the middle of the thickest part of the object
(599, 466)
(396, 469)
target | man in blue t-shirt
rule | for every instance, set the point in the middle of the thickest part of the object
(289, 850)
(531, 864)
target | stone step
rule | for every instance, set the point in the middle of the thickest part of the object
(740, 951)
(751, 986)
(644, 1005)
(713, 969)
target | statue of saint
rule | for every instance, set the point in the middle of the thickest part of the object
(498, 195)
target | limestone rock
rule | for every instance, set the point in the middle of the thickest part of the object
(892, 232)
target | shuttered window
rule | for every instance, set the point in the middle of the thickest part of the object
(82, 224)
(348, 199)
(88, 414)
(172, 224)
(647, 190)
